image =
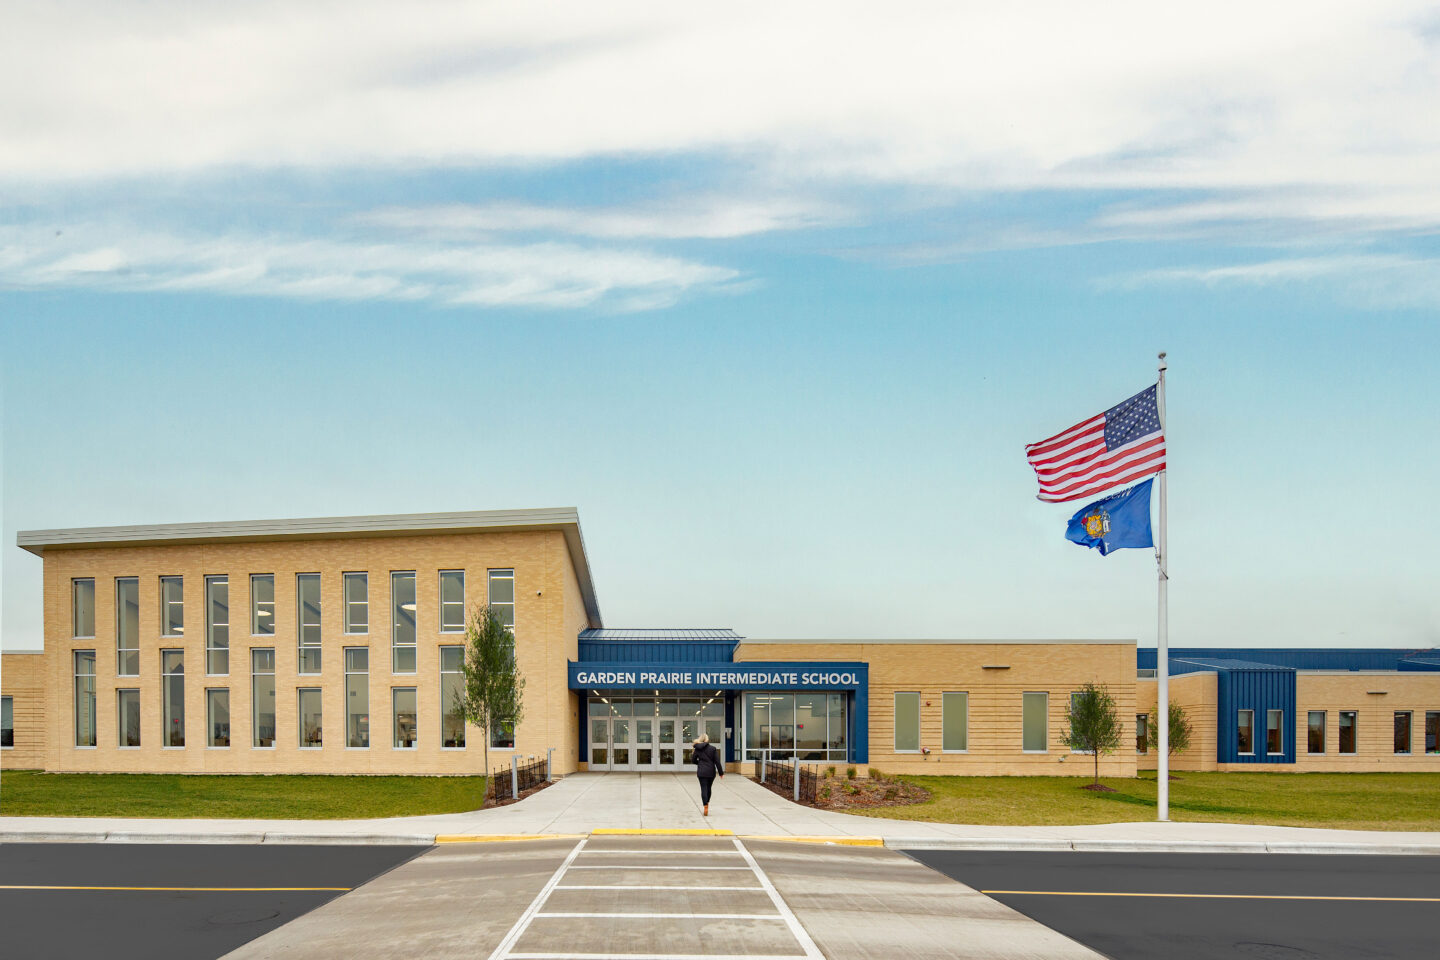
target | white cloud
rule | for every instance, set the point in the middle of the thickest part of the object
(1327, 95)
(1373, 281)
(554, 275)
(708, 217)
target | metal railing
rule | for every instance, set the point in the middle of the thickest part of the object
(507, 783)
(789, 777)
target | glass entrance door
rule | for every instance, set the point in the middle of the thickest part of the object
(667, 746)
(599, 743)
(644, 747)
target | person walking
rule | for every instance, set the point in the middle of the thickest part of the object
(707, 766)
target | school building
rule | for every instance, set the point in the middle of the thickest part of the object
(335, 645)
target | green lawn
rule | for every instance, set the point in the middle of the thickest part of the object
(1356, 801)
(30, 793)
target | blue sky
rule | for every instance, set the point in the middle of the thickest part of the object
(780, 334)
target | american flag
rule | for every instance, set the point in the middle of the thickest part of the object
(1122, 444)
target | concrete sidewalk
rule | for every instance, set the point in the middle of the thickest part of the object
(584, 802)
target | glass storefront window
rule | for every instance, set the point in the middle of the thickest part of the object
(784, 725)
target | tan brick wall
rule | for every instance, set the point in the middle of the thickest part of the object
(994, 697)
(544, 613)
(22, 678)
(1375, 723)
(1197, 693)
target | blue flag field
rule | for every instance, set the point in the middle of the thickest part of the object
(1115, 523)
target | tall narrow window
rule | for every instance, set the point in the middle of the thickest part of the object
(1349, 720)
(7, 722)
(262, 604)
(217, 717)
(402, 614)
(262, 697)
(307, 592)
(1402, 731)
(127, 718)
(1315, 731)
(452, 601)
(452, 688)
(357, 603)
(82, 607)
(217, 626)
(84, 698)
(172, 606)
(357, 696)
(310, 734)
(955, 722)
(1034, 722)
(127, 627)
(501, 595)
(1432, 731)
(1142, 733)
(907, 722)
(403, 703)
(1245, 732)
(172, 695)
(1274, 732)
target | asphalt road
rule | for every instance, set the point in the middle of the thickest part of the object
(1049, 887)
(157, 924)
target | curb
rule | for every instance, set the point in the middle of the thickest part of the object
(842, 841)
(121, 836)
(658, 832)
(1022, 844)
(501, 837)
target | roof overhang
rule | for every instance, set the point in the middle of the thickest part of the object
(565, 520)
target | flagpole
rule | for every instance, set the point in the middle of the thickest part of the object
(1162, 635)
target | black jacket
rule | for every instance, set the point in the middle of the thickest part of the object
(707, 761)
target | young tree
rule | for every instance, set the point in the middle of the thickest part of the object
(1094, 724)
(1180, 731)
(494, 691)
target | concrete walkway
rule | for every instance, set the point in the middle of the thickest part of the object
(584, 802)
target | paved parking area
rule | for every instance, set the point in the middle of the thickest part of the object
(156, 902)
(1197, 906)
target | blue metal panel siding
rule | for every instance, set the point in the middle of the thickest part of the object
(1257, 690)
(651, 651)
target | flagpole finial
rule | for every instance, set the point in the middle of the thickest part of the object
(1163, 364)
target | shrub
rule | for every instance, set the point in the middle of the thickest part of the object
(829, 771)
(851, 789)
(891, 792)
(875, 774)
(849, 773)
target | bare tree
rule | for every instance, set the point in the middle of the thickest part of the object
(494, 690)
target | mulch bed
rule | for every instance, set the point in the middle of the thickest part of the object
(490, 800)
(838, 793)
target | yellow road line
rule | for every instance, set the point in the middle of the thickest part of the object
(37, 886)
(501, 837)
(1205, 896)
(659, 832)
(842, 841)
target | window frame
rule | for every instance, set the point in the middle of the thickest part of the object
(346, 624)
(7, 706)
(1324, 732)
(302, 647)
(121, 651)
(211, 582)
(91, 695)
(919, 738)
(75, 633)
(255, 602)
(1426, 743)
(345, 662)
(444, 707)
(460, 627)
(1045, 716)
(120, 697)
(300, 693)
(166, 701)
(255, 675)
(1409, 716)
(503, 573)
(1248, 726)
(1354, 750)
(1269, 712)
(1142, 734)
(210, 719)
(395, 719)
(395, 607)
(166, 603)
(944, 712)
